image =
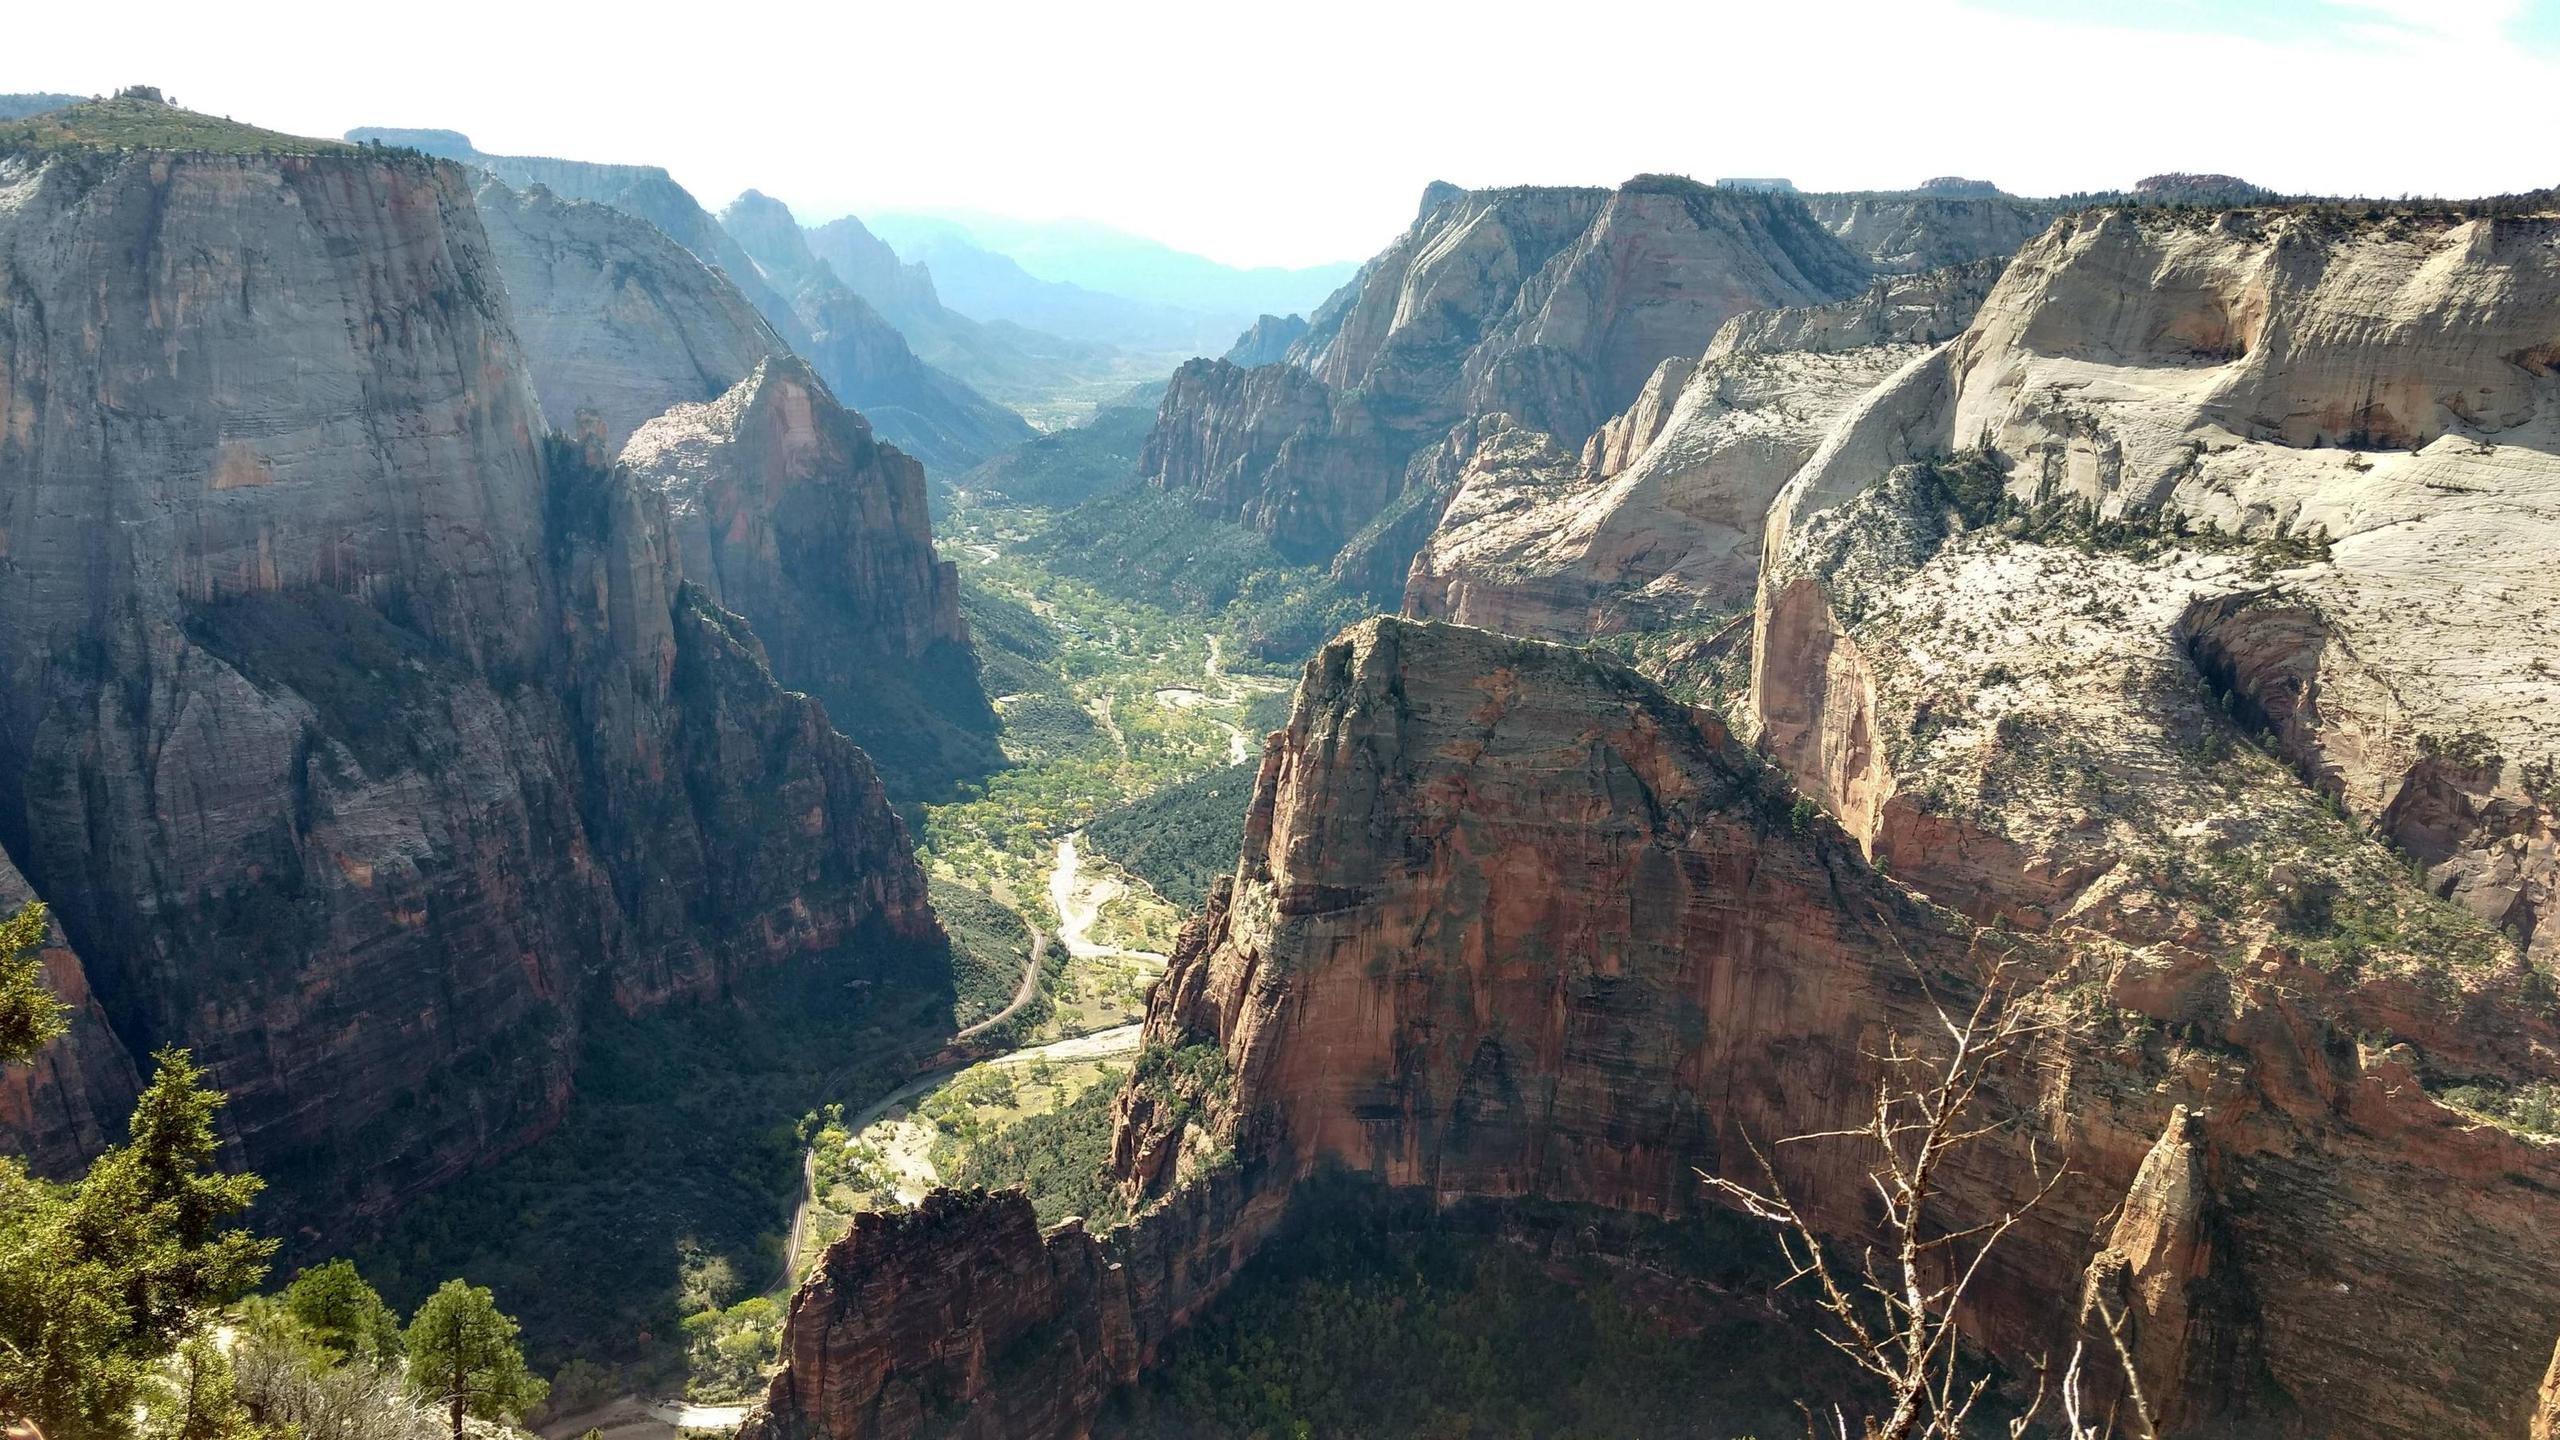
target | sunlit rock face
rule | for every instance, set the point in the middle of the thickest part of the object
(1510, 923)
(785, 509)
(1553, 306)
(1658, 526)
(617, 322)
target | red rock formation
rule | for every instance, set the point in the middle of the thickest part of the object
(960, 1320)
(1510, 923)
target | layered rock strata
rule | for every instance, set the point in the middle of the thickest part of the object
(617, 322)
(361, 739)
(1659, 526)
(1552, 306)
(787, 511)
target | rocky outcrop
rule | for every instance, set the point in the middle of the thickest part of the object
(1267, 342)
(360, 739)
(961, 1319)
(1552, 306)
(1510, 923)
(2546, 1412)
(2186, 189)
(786, 511)
(869, 365)
(617, 322)
(2344, 406)
(1659, 528)
(1222, 434)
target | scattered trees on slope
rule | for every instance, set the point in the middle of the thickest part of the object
(110, 1286)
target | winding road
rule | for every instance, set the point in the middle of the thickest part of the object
(1079, 897)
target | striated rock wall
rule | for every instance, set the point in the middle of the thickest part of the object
(617, 322)
(69, 1102)
(785, 510)
(361, 740)
(1552, 306)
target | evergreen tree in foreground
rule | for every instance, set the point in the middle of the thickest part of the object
(463, 1356)
(103, 1279)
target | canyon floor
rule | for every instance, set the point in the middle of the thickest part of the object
(1109, 702)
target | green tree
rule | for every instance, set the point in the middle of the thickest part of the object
(463, 1356)
(102, 1279)
(344, 1313)
(29, 1015)
(199, 1397)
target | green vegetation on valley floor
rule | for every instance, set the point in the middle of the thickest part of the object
(681, 1152)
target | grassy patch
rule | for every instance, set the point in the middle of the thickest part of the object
(990, 947)
(112, 125)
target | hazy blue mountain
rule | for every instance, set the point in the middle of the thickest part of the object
(19, 107)
(1115, 262)
(1051, 379)
(991, 287)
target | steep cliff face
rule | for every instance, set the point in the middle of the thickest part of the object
(1222, 433)
(961, 1320)
(865, 360)
(645, 191)
(2160, 374)
(360, 740)
(1552, 306)
(69, 1102)
(1659, 527)
(1511, 923)
(785, 510)
(617, 322)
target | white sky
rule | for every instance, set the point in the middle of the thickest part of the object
(1304, 130)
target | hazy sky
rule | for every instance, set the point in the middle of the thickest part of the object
(1304, 131)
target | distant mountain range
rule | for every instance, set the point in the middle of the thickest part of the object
(18, 107)
(925, 411)
(1115, 262)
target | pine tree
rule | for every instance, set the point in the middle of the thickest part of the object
(463, 1356)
